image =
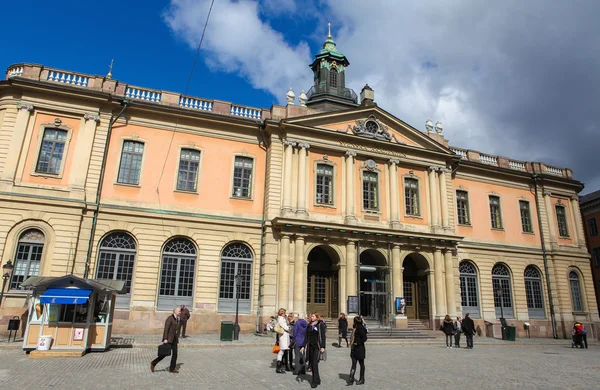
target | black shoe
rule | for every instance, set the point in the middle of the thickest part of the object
(287, 367)
(279, 369)
(350, 382)
(313, 385)
(361, 381)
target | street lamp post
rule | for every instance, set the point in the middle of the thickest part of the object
(236, 326)
(7, 271)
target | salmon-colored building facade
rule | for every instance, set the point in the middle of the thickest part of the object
(327, 204)
(590, 211)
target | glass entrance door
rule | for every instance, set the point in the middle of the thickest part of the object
(374, 296)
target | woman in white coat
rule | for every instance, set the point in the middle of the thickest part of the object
(284, 340)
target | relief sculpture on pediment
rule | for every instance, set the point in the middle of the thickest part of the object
(371, 128)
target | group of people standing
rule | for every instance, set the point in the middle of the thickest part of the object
(453, 329)
(303, 341)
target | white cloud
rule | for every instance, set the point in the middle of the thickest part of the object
(238, 41)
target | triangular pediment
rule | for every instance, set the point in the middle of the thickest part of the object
(371, 123)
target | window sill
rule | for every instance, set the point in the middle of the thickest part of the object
(580, 313)
(498, 229)
(240, 198)
(324, 205)
(565, 237)
(529, 233)
(128, 185)
(464, 225)
(187, 192)
(413, 216)
(47, 175)
(372, 212)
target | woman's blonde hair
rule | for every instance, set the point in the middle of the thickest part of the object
(281, 312)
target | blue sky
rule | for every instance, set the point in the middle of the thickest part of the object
(503, 77)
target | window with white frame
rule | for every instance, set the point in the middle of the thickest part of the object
(576, 298)
(51, 151)
(236, 259)
(525, 216)
(561, 220)
(593, 226)
(495, 212)
(501, 286)
(324, 189)
(533, 292)
(462, 207)
(131, 162)
(116, 260)
(242, 176)
(370, 191)
(411, 196)
(187, 176)
(468, 289)
(177, 274)
(28, 257)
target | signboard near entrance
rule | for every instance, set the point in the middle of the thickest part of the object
(352, 304)
(400, 306)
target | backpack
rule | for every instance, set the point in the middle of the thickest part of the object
(278, 329)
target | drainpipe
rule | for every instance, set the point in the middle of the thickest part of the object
(99, 191)
(358, 273)
(391, 293)
(261, 129)
(548, 284)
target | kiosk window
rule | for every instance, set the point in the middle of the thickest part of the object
(101, 308)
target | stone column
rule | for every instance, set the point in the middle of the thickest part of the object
(288, 176)
(432, 294)
(82, 155)
(578, 228)
(450, 290)
(398, 287)
(350, 173)
(299, 277)
(550, 216)
(435, 221)
(444, 197)
(351, 268)
(16, 142)
(283, 276)
(440, 302)
(394, 203)
(302, 177)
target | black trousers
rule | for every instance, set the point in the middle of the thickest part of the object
(173, 357)
(183, 327)
(288, 357)
(313, 358)
(299, 363)
(353, 368)
(457, 339)
(469, 340)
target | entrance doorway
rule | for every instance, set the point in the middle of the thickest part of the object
(322, 293)
(416, 287)
(374, 286)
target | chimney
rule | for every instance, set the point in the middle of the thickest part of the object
(367, 96)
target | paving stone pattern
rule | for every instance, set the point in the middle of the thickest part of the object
(388, 367)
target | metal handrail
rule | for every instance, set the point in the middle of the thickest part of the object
(345, 93)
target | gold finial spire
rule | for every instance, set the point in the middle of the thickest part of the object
(329, 28)
(109, 75)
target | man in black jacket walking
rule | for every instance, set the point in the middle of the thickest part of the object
(170, 336)
(468, 328)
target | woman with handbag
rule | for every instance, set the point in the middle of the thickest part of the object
(283, 331)
(315, 344)
(358, 352)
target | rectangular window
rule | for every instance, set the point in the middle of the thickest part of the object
(596, 256)
(131, 162)
(242, 177)
(408, 293)
(370, 193)
(495, 212)
(51, 152)
(462, 207)
(324, 184)
(187, 177)
(525, 216)
(561, 219)
(411, 196)
(593, 225)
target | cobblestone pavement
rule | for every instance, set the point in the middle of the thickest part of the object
(388, 367)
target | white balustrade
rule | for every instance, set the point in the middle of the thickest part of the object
(461, 153)
(196, 104)
(68, 78)
(143, 94)
(15, 71)
(245, 112)
(554, 171)
(491, 160)
(517, 165)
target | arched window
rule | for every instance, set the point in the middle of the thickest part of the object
(575, 292)
(177, 274)
(502, 292)
(533, 293)
(28, 256)
(468, 289)
(333, 78)
(115, 261)
(236, 259)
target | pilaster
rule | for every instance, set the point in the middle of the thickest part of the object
(302, 153)
(287, 178)
(299, 277)
(16, 143)
(450, 291)
(82, 155)
(350, 173)
(394, 203)
(283, 276)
